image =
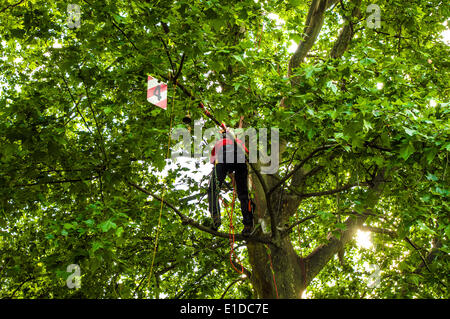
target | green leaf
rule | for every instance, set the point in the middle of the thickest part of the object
(339, 135)
(49, 236)
(432, 177)
(107, 225)
(426, 198)
(332, 86)
(96, 245)
(425, 228)
(367, 61)
(119, 231)
(367, 126)
(447, 231)
(410, 132)
(238, 58)
(68, 226)
(341, 226)
(406, 151)
(325, 215)
(295, 3)
(415, 279)
(336, 233)
(89, 222)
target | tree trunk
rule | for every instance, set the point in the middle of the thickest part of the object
(276, 271)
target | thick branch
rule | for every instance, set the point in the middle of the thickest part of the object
(323, 253)
(346, 34)
(313, 25)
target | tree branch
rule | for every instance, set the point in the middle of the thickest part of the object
(124, 34)
(231, 285)
(332, 191)
(346, 34)
(394, 234)
(313, 25)
(317, 259)
(179, 69)
(166, 49)
(20, 286)
(299, 166)
(323, 253)
(11, 6)
(57, 182)
(74, 102)
(102, 146)
(245, 271)
(301, 221)
(389, 232)
(252, 166)
(185, 220)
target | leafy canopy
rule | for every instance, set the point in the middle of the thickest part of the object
(74, 123)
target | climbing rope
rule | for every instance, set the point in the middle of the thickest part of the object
(230, 213)
(158, 229)
(271, 268)
(231, 232)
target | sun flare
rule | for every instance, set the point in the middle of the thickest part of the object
(363, 239)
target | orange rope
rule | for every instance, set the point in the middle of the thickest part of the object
(231, 230)
(271, 268)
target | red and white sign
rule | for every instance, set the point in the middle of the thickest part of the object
(157, 92)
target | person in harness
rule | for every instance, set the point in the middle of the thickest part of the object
(228, 157)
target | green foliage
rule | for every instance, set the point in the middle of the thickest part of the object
(75, 123)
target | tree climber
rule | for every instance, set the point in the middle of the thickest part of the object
(227, 157)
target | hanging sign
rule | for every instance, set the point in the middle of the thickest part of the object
(157, 92)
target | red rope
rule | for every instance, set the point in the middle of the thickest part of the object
(231, 231)
(273, 272)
